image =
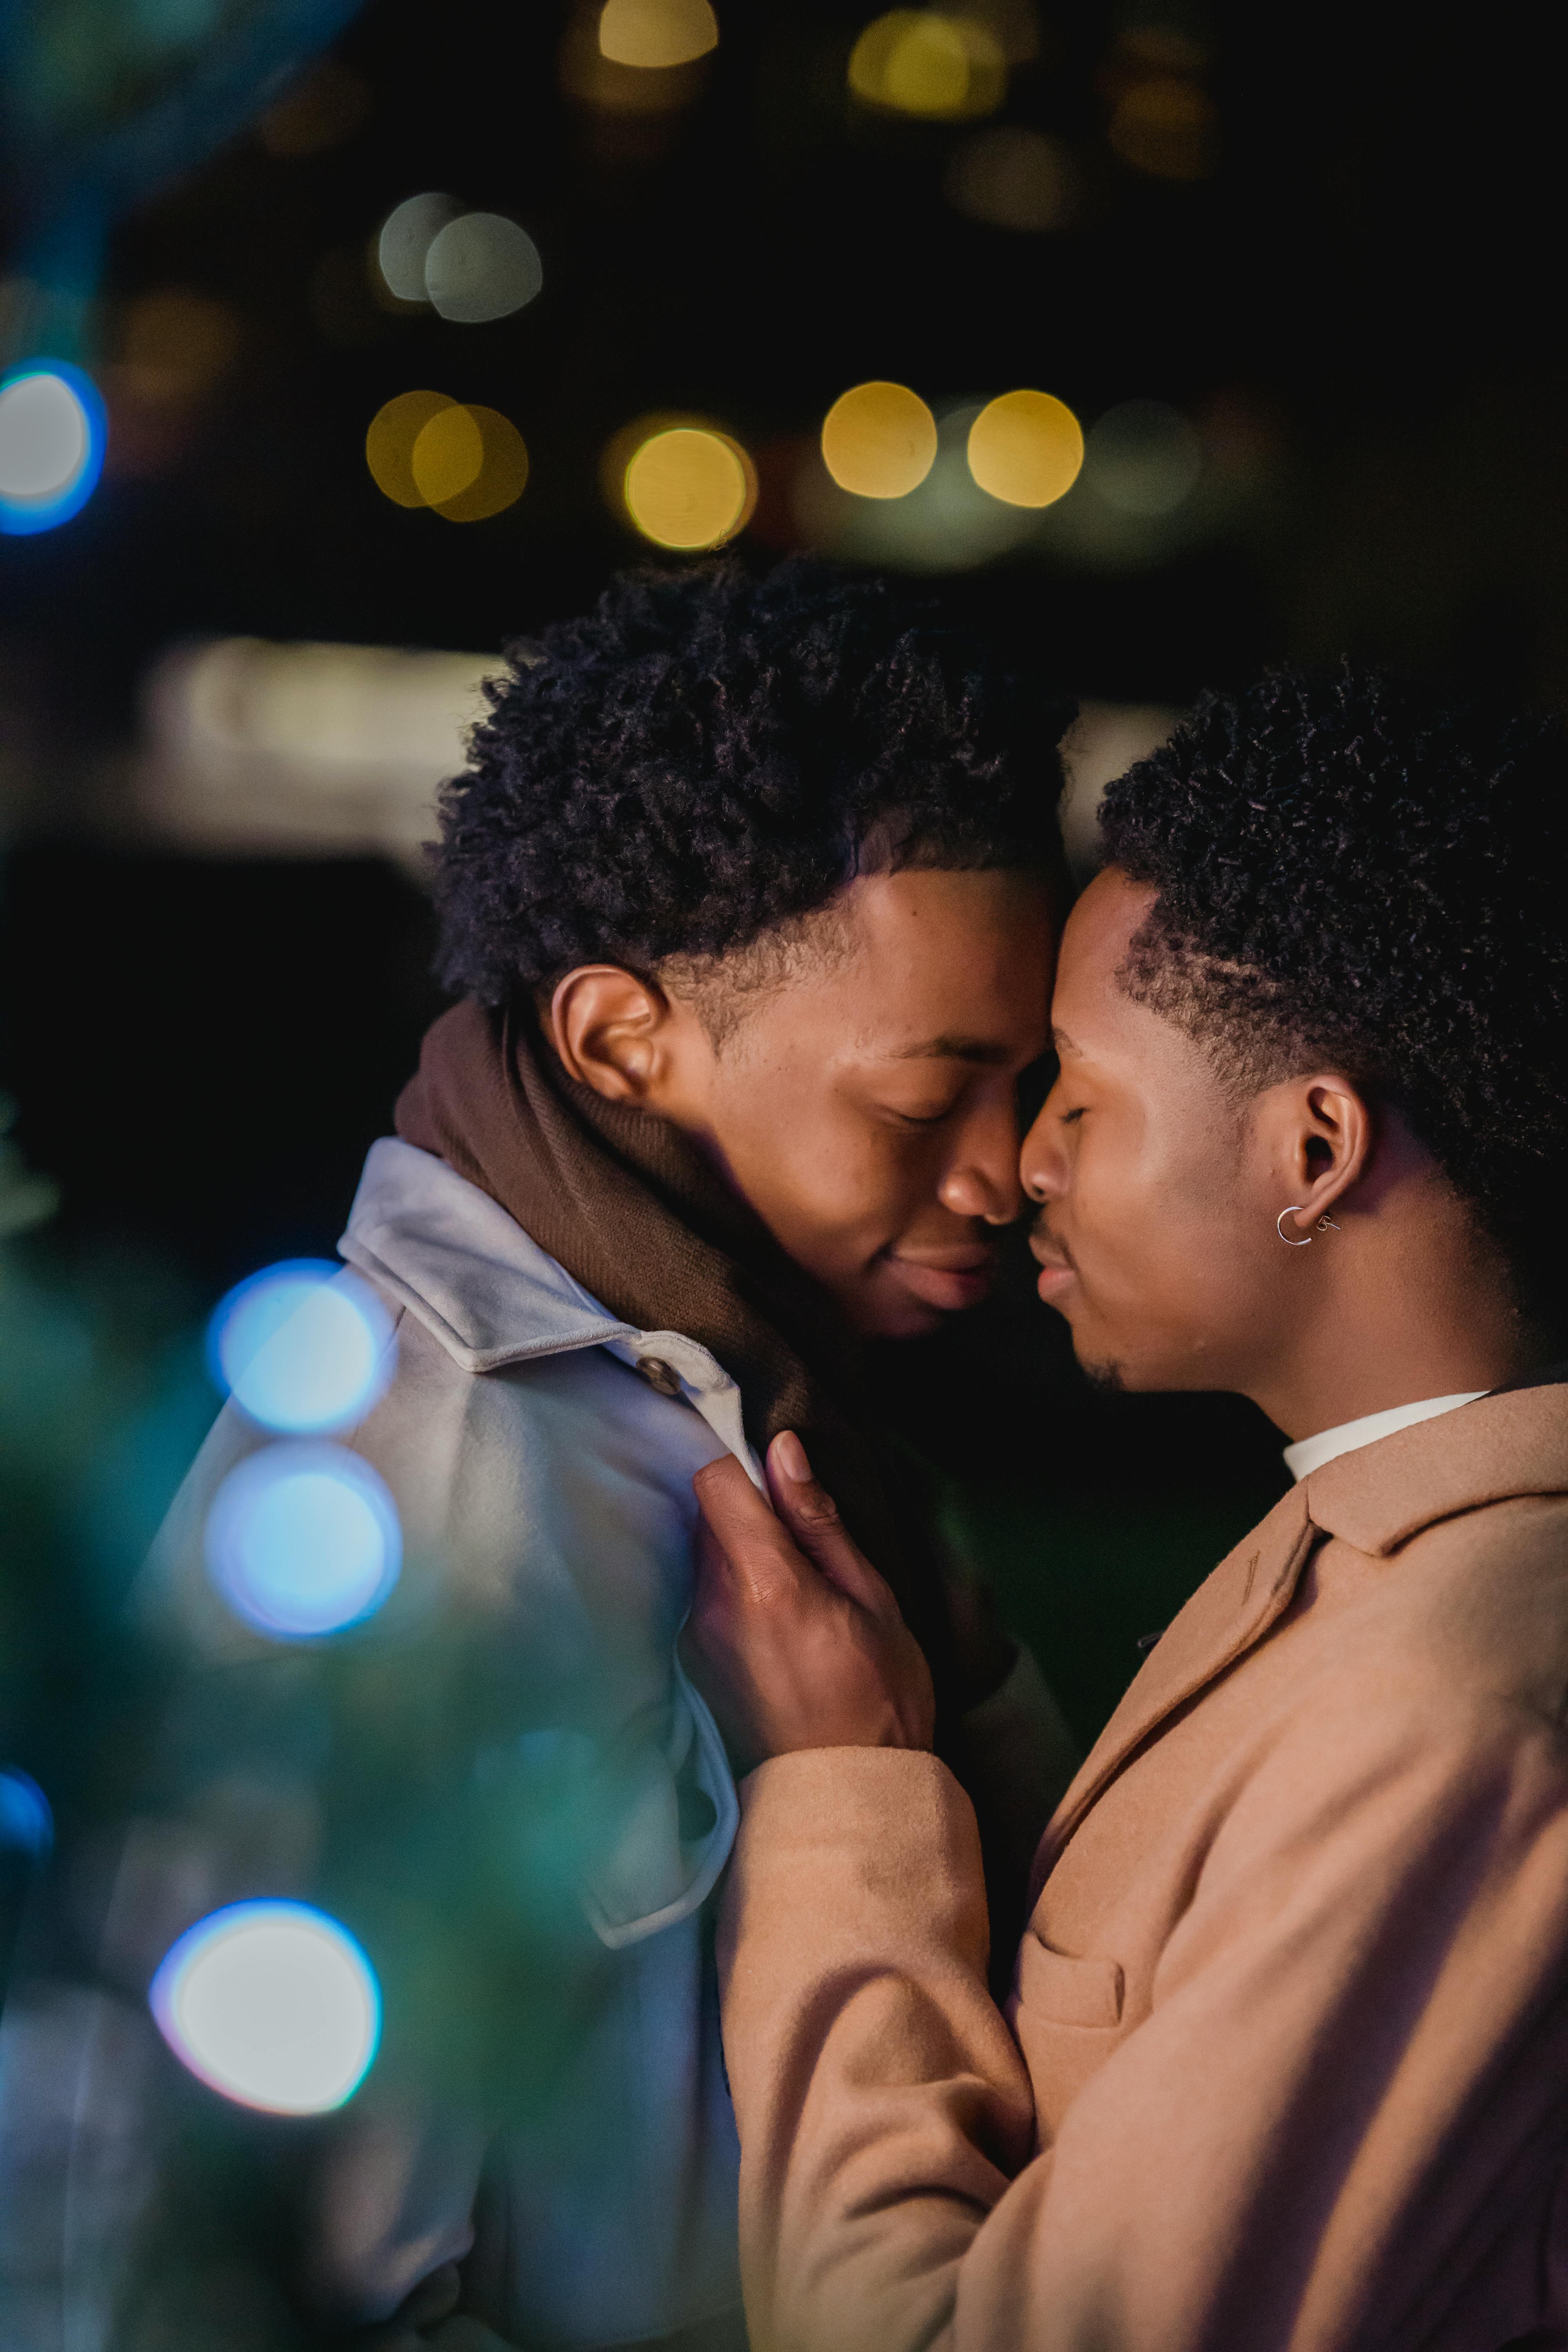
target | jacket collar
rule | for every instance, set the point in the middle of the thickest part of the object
(480, 1285)
(1512, 1443)
(487, 1291)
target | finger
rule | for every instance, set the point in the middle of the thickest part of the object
(811, 1515)
(760, 1561)
(713, 1584)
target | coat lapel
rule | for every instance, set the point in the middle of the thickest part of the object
(1514, 1442)
(1231, 1610)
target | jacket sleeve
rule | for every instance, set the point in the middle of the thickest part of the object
(1348, 2071)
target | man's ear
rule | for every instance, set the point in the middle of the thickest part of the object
(610, 1030)
(1326, 1136)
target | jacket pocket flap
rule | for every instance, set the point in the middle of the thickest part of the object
(1054, 1987)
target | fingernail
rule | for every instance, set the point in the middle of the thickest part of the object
(789, 1453)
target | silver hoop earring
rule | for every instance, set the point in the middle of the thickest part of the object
(1325, 1225)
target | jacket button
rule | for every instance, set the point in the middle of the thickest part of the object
(659, 1375)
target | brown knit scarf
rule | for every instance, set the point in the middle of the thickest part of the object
(626, 1206)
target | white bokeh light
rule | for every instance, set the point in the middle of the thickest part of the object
(43, 437)
(302, 1347)
(406, 235)
(271, 2003)
(303, 1539)
(51, 444)
(1144, 458)
(482, 267)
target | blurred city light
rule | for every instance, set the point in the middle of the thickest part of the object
(1166, 127)
(689, 487)
(918, 61)
(305, 748)
(448, 457)
(470, 463)
(408, 232)
(389, 444)
(480, 267)
(334, 708)
(1014, 178)
(302, 1347)
(635, 99)
(302, 1539)
(1144, 457)
(51, 444)
(26, 1825)
(650, 34)
(169, 350)
(271, 2003)
(174, 343)
(947, 523)
(1012, 24)
(878, 440)
(1026, 447)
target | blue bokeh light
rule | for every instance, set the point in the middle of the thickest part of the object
(53, 433)
(271, 2003)
(303, 1539)
(26, 1823)
(303, 1346)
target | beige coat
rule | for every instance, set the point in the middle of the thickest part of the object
(1289, 2057)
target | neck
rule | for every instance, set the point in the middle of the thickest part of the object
(1398, 1316)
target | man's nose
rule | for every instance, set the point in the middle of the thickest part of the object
(982, 1178)
(1042, 1169)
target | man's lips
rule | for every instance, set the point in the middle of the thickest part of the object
(1056, 1269)
(947, 1280)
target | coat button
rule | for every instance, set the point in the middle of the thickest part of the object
(659, 1375)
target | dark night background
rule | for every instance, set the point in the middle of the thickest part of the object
(1360, 297)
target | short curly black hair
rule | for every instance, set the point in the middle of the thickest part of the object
(1350, 870)
(709, 754)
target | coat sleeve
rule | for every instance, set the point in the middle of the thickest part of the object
(1350, 2071)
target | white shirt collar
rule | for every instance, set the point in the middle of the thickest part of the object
(1309, 1454)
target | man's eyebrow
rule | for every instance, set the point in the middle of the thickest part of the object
(985, 1050)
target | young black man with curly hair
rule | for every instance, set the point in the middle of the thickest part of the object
(1285, 2064)
(749, 891)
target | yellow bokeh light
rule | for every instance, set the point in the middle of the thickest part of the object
(424, 449)
(651, 33)
(689, 487)
(917, 61)
(1168, 128)
(491, 444)
(448, 456)
(1025, 449)
(878, 440)
(390, 443)
(175, 344)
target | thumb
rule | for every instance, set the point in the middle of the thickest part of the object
(811, 1515)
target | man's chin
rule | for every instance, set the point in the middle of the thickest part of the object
(899, 1316)
(1105, 1372)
